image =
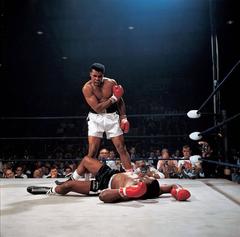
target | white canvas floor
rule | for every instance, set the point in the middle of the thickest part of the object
(213, 210)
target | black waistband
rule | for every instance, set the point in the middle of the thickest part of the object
(112, 109)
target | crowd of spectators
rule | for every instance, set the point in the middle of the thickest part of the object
(159, 162)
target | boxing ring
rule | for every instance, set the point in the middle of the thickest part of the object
(212, 210)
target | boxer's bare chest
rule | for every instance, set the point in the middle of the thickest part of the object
(102, 92)
(124, 180)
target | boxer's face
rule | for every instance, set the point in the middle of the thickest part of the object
(96, 77)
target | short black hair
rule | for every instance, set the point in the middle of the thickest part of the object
(153, 190)
(98, 67)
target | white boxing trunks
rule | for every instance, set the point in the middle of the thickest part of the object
(104, 122)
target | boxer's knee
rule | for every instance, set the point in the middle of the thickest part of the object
(85, 161)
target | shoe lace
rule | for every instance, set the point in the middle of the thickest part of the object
(50, 192)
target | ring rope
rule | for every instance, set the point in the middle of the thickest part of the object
(74, 138)
(84, 117)
(220, 124)
(218, 87)
(221, 163)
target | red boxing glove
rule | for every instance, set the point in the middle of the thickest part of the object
(125, 125)
(180, 194)
(135, 191)
(117, 93)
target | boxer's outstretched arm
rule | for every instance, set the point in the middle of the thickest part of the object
(124, 193)
(111, 195)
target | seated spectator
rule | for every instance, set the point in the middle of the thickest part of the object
(45, 171)
(38, 173)
(176, 154)
(19, 173)
(61, 167)
(184, 165)
(112, 162)
(188, 169)
(210, 170)
(158, 153)
(104, 157)
(152, 159)
(54, 173)
(132, 153)
(166, 166)
(67, 171)
(141, 167)
(5, 167)
(205, 149)
(9, 174)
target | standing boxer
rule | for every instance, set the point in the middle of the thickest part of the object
(107, 114)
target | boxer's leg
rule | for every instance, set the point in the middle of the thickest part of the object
(90, 165)
(122, 151)
(82, 187)
(87, 164)
(93, 146)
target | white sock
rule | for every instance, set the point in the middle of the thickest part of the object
(75, 175)
(53, 189)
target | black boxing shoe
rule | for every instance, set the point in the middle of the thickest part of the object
(35, 190)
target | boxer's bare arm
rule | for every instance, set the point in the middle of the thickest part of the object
(111, 195)
(123, 193)
(124, 124)
(92, 100)
(121, 108)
